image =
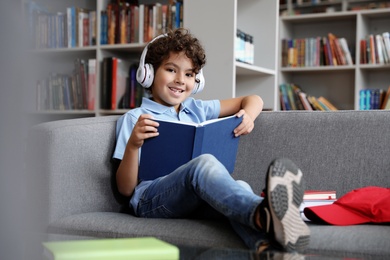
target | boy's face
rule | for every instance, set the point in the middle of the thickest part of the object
(174, 80)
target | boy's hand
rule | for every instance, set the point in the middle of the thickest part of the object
(246, 125)
(144, 128)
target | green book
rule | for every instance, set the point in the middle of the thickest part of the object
(112, 249)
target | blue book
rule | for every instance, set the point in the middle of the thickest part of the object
(179, 142)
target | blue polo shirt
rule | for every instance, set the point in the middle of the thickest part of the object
(191, 110)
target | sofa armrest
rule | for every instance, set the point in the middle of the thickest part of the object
(71, 163)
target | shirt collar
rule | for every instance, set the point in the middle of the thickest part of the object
(157, 108)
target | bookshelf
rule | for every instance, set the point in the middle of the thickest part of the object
(340, 84)
(225, 77)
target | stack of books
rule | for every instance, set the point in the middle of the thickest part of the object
(313, 198)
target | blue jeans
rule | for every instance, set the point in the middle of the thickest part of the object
(203, 188)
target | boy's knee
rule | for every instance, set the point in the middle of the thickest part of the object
(245, 185)
(207, 158)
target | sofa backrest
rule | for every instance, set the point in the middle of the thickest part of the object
(71, 170)
(339, 151)
(72, 166)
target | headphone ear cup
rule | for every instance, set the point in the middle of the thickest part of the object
(145, 72)
(145, 75)
(200, 82)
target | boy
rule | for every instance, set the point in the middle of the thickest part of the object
(170, 67)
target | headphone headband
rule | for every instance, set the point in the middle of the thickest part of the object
(145, 72)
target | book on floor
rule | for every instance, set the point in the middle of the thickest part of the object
(112, 248)
(179, 142)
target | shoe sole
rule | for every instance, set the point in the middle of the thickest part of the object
(285, 193)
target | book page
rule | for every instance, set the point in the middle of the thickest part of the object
(216, 120)
(196, 124)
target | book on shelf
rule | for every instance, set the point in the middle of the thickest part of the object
(346, 52)
(82, 16)
(304, 101)
(103, 27)
(315, 104)
(92, 30)
(81, 77)
(185, 141)
(316, 51)
(71, 26)
(326, 103)
(91, 83)
(110, 248)
(292, 97)
(312, 198)
(106, 83)
(386, 100)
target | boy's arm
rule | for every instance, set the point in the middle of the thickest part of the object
(127, 173)
(248, 107)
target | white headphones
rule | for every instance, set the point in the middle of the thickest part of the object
(145, 72)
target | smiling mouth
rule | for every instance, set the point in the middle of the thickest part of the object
(176, 90)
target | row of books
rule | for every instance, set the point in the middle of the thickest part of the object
(374, 99)
(375, 49)
(119, 88)
(69, 92)
(316, 51)
(244, 47)
(72, 27)
(123, 22)
(293, 98)
(77, 91)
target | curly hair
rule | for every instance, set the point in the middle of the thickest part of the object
(179, 40)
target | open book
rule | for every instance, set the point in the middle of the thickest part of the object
(179, 142)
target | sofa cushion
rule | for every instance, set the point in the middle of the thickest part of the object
(362, 241)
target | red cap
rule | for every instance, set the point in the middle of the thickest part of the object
(365, 205)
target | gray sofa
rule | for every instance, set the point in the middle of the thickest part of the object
(340, 151)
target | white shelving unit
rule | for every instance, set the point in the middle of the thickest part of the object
(340, 84)
(213, 22)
